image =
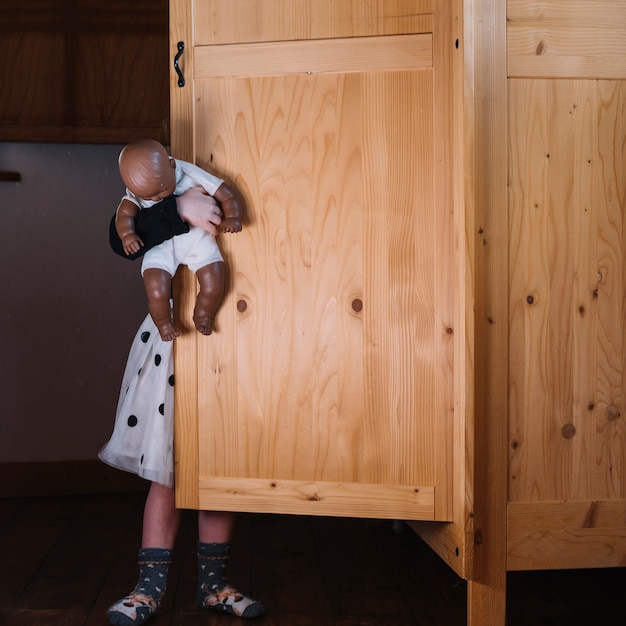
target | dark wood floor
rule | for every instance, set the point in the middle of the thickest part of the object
(64, 560)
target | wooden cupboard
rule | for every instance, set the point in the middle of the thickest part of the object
(329, 386)
(446, 348)
(84, 71)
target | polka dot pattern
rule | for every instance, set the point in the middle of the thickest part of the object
(144, 425)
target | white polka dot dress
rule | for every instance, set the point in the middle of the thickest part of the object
(143, 435)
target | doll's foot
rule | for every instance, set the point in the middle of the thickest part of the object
(168, 332)
(204, 325)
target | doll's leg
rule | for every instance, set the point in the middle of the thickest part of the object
(211, 280)
(158, 284)
(160, 526)
(214, 591)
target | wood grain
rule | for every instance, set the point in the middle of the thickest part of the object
(301, 243)
(367, 54)
(485, 65)
(566, 39)
(566, 535)
(184, 284)
(566, 171)
(318, 498)
(226, 22)
(332, 359)
(81, 72)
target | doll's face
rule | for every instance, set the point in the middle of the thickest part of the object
(148, 171)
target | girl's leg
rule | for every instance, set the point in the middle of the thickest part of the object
(158, 284)
(215, 530)
(160, 525)
(216, 526)
(161, 518)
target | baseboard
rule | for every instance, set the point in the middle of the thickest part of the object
(62, 478)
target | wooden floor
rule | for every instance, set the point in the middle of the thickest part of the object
(64, 560)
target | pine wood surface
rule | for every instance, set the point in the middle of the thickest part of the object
(570, 534)
(566, 38)
(549, 445)
(567, 200)
(336, 55)
(247, 21)
(567, 304)
(485, 67)
(333, 357)
(311, 247)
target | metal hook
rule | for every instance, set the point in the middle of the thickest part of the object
(181, 49)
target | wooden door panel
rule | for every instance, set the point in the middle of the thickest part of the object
(365, 54)
(315, 289)
(320, 392)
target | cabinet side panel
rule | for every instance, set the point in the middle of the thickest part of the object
(567, 204)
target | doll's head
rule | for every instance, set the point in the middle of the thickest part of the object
(147, 170)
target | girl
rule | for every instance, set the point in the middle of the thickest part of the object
(142, 442)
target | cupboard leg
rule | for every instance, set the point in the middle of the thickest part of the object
(486, 602)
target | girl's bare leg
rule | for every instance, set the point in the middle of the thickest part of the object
(215, 526)
(215, 530)
(161, 518)
(161, 521)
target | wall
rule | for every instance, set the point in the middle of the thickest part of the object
(70, 307)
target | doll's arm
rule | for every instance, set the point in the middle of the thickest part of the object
(125, 226)
(231, 208)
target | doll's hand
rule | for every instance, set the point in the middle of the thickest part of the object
(197, 208)
(230, 225)
(131, 243)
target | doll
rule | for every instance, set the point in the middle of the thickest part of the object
(150, 176)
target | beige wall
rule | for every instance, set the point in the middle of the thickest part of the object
(69, 307)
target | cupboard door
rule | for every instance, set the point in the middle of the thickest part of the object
(324, 388)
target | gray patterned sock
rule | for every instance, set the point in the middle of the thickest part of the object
(138, 606)
(214, 592)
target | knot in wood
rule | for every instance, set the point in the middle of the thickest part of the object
(612, 412)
